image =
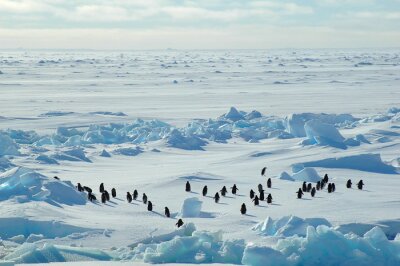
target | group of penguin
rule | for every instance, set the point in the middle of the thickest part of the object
(321, 184)
(105, 196)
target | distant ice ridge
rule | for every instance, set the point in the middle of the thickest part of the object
(316, 129)
(23, 184)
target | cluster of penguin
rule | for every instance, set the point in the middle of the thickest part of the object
(256, 198)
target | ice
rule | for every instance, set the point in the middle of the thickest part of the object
(30, 253)
(177, 140)
(323, 134)
(369, 162)
(8, 146)
(5, 164)
(130, 151)
(288, 226)
(233, 115)
(24, 182)
(55, 113)
(191, 207)
(305, 174)
(105, 153)
(46, 159)
(108, 113)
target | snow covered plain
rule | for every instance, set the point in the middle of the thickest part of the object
(153, 120)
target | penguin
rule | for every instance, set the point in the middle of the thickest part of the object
(299, 193)
(135, 194)
(103, 198)
(167, 213)
(269, 183)
(243, 209)
(263, 171)
(333, 187)
(262, 195)
(256, 201)
(187, 187)
(144, 198)
(329, 188)
(216, 197)
(205, 189)
(113, 192)
(304, 187)
(128, 197)
(149, 206)
(88, 189)
(322, 184)
(309, 187)
(101, 188)
(234, 189)
(348, 184)
(91, 197)
(326, 178)
(56, 177)
(223, 191)
(360, 184)
(179, 223)
(260, 188)
(251, 194)
(80, 188)
(269, 198)
(313, 190)
(318, 185)
(107, 195)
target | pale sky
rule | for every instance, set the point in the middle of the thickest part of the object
(198, 24)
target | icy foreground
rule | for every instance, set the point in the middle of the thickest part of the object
(153, 122)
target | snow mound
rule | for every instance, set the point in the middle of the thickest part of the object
(177, 140)
(8, 146)
(301, 173)
(324, 244)
(198, 247)
(23, 184)
(323, 134)
(131, 151)
(191, 207)
(31, 253)
(288, 226)
(368, 162)
(200, 176)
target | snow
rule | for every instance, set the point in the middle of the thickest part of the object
(94, 117)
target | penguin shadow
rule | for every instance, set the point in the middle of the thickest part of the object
(109, 205)
(240, 195)
(249, 215)
(229, 197)
(222, 203)
(275, 204)
(193, 192)
(208, 196)
(262, 206)
(275, 188)
(305, 199)
(112, 202)
(119, 199)
(133, 203)
(156, 212)
(366, 190)
(316, 197)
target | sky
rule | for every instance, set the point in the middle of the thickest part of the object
(198, 24)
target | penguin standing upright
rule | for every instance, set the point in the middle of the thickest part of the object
(333, 187)
(322, 184)
(107, 195)
(234, 189)
(348, 184)
(149, 206)
(80, 188)
(304, 187)
(360, 184)
(179, 223)
(251, 194)
(56, 177)
(313, 192)
(204, 192)
(128, 197)
(326, 178)
(269, 198)
(103, 198)
(216, 197)
(223, 191)
(243, 209)
(113, 192)
(256, 201)
(135, 194)
(89, 196)
(187, 187)
(262, 195)
(309, 187)
(329, 188)
(263, 171)
(318, 186)
(144, 198)
(260, 188)
(269, 183)
(167, 213)
(299, 193)
(101, 189)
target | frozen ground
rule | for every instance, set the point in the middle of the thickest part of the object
(153, 120)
